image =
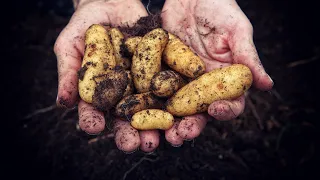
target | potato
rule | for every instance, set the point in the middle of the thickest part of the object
(126, 137)
(117, 39)
(152, 119)
(146, 61)
(129, 105)
(131, 44)
(98, 59)
(129, 89)
(180, 58)
(166, 83)
(220, 84)
(110, 89)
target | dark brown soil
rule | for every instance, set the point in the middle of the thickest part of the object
(275, 138)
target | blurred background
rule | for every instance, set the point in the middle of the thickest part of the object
(274, 138)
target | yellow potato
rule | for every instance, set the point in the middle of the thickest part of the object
(110, 89)
(117, 39)
(98, 59)
(146, 60)
(131, 43)
(220, 84)
(152, 119)
(180, 58)
(129, 105)
(166, 83)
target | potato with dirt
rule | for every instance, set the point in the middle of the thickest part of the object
(117, 39)
(182, 59)
(220, 84)
(134, 103)
(166, 83)
(151, 119)
(110, 89)
(98, 59)
(131, 44)
(130, 87)
(146, 61)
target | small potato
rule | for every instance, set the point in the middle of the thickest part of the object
(150, 119)
(117, 39)
(220, 84)
(98, 59)
(132, 104)
(180, 58)
(146, 61)
(126, 137)
(166, 83)
(110, 89)
(130, 88)
(131, 44)
(91, 121)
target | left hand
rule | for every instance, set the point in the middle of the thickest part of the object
(221, 34)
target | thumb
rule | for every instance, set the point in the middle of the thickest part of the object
(244, 52)
(69, 62)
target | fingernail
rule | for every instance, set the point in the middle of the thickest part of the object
(176, 145)
(271, 80)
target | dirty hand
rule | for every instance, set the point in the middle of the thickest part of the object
(69, 49)
(221, 34)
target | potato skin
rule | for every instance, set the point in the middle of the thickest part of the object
(132, 104)
(117, 40)
(98, 59)
(150, 119)
(166, 83)
(131, 43)
(220, 84)
(180, 58)
(110, 89)
(146, 61)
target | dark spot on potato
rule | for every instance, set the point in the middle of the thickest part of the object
(220, 86)
(82, 72)
(110, 90)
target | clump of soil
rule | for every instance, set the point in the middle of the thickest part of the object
(143, 25)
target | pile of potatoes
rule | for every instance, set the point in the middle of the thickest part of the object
(160, 79)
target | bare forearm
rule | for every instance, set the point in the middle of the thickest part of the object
(77, 3)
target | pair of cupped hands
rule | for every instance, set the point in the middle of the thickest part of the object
(217, 30)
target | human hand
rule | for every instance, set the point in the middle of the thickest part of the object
(69, 49)
(221, 34)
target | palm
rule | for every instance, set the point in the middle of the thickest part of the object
(206, 27)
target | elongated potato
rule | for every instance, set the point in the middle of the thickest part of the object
(152, 119)
(117, 39)
(146, 60)
(180, 58)
(110, 89)
(131, 44)
(132, 104)
(166, 83)
(220, 84)
(98, 59)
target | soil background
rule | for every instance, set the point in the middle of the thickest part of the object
(275, 138)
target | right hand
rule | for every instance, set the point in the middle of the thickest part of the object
(69, 49)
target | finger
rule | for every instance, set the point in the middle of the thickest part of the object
(191, 126)
(227, 110)
(126, 137)
(244, 52)
(172, 135)
(90, 120)
(149, 140)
